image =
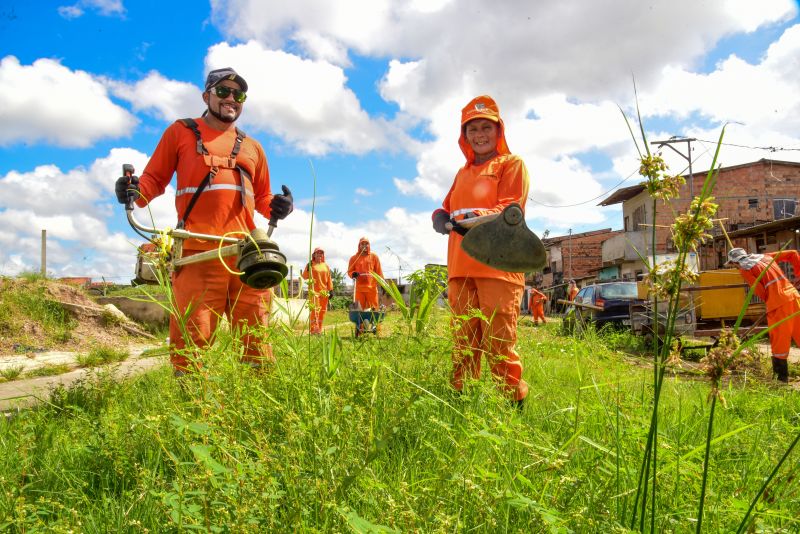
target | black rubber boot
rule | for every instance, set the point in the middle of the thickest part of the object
(780, 366)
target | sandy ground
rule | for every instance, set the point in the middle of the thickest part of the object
(18, 394)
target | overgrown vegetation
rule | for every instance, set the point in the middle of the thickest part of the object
(102, 355)
(366, 435)
(25, 310)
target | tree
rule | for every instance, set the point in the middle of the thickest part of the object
(337, 277)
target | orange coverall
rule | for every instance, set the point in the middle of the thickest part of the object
(319, 290)
(472, 286)
(536, 300)
(781, 298)
(366, 287)
(206, 289)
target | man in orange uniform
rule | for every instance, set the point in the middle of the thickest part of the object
(781, 298)
(222, 178)
(491, 179)
(319, 289)
(536, 300)
(360, 269)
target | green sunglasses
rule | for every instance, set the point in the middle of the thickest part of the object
(223, 92)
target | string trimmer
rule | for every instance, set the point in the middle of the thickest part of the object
(259, 261)
(503, 241)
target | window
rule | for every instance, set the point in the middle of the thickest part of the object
(585, 295)
(784, 207)
(638, 217)
(627, 224)
(752, 203)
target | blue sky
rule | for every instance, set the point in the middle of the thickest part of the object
(369, 93)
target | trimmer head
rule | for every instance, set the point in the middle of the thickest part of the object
(262, 263)
(506, 243)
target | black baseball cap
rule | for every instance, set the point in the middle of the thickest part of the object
(227, 73)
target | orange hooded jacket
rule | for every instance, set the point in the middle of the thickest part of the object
(483, 189)
(219, 208)
(774, 288)
(364, 263)
(320, 274)
(536, 297)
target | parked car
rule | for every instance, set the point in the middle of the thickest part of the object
(614, 298)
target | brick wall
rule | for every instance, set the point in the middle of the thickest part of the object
(745, 195)
(582, 254)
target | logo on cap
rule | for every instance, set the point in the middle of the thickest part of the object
(480, 106)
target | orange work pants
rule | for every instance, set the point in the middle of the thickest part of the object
(538, 312)
(367, 298)
(780, 337)
(317, 306)
(495, 335)
(209, 291)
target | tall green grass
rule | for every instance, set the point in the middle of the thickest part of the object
(366, 436)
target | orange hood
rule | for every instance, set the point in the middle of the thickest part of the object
(322, 260)
(482, 107)
(360, 241)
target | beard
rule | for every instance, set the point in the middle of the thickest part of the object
(224, 118)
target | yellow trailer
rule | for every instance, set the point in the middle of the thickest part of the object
(705, 307)
(719, 296)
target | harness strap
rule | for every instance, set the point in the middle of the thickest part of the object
(214, 163)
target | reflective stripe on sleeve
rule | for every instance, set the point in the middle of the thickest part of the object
(773, 281)
(464, 211)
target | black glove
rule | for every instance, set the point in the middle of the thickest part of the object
(330, 293)
(281, 205)
(440, 218)
(354, 276)
(127, 189)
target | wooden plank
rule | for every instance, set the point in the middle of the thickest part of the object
(579, 304)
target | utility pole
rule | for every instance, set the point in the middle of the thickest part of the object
(400, 262)
(569, 242)
(688, 156)
(44, 253)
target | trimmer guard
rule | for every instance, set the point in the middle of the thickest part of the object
(506, 243)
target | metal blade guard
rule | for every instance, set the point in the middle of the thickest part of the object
(506, 243)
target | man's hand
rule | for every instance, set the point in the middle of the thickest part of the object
(440, 219)
(127, 189)
(281, 205)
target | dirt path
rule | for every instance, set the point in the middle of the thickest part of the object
(24, 393)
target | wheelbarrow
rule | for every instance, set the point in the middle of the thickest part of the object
(366, 321)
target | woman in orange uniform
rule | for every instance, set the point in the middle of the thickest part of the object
(536, 300)
(491, 179)
(319, 290)
(781, 298)
(572, 290)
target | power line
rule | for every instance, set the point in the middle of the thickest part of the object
(769, 148)
(601, 195)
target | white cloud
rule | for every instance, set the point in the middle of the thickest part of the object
(48, 103)
(167, 99)
(306, 102)
(75, 207)
(105, 8)
(70, 12)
